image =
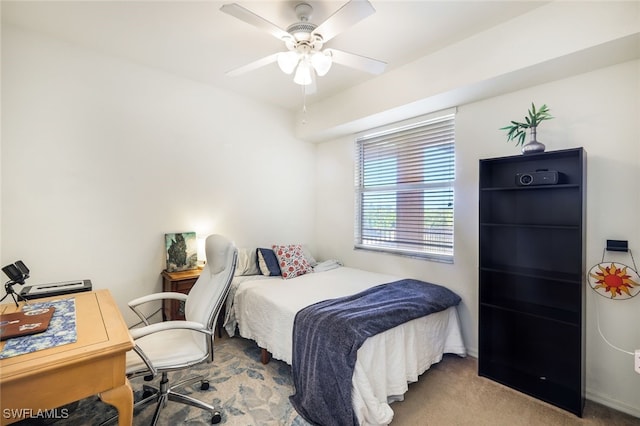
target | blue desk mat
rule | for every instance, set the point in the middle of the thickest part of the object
(61, 331)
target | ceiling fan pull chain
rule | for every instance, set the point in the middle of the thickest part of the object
(304, 104)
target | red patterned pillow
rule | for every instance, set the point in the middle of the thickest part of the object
(291, 260)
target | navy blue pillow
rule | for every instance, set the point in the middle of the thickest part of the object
(269, 266)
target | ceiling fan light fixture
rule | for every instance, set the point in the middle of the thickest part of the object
(303, 73)
(321, 62)
(287, 61)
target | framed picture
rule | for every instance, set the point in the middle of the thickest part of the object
(182, 251)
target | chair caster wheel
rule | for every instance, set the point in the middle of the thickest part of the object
(217, 418)
(204, 385)
(146, 394)
(148, 378)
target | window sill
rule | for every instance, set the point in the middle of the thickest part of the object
(441, 258)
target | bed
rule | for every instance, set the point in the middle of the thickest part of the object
(263, 308)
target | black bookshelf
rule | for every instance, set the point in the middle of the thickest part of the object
(532, 283)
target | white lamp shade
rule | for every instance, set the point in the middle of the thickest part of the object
(303, 73)
(321, 62)
(202, 255)
(287, 61)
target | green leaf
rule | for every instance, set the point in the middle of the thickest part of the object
(517, 130)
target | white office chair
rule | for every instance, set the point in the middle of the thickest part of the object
(177, 345)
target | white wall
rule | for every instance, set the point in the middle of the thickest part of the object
(599, 111)
(101, 157)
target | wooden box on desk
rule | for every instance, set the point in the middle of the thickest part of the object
(180, 282)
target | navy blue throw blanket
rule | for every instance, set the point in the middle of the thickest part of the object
(328, 334)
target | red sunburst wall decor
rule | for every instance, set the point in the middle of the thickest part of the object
(614, 280)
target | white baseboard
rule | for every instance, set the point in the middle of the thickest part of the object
(612, 403)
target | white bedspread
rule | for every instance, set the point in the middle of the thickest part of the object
(264, 309)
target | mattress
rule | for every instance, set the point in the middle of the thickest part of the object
(263, 309)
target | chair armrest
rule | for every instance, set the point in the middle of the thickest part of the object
(157, 296)
(137, 333)
(133, 304)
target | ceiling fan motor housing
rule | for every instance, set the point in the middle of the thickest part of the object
(301, 30)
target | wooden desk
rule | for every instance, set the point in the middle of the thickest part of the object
(94, 364)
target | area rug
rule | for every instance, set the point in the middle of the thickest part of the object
(246, 392)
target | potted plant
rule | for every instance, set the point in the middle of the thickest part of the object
(517, 130)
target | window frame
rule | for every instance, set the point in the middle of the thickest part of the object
(443, 187)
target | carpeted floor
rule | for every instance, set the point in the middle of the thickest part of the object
(251, 394)
(451, 393)
(246, 392)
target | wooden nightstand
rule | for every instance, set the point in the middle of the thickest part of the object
(180, 282)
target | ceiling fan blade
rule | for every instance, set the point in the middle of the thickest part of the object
(349, 14)
(253, 65)
(251, 18)
(372, 66)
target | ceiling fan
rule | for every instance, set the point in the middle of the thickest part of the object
(304, 41)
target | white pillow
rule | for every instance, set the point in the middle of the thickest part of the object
(312, 261)
(247, 263)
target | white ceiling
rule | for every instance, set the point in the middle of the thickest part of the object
(196, 40)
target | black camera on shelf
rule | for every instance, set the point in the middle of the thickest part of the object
(539, 177)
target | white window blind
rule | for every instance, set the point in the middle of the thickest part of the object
(404, 189)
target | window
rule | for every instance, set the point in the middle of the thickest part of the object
(404, 189)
